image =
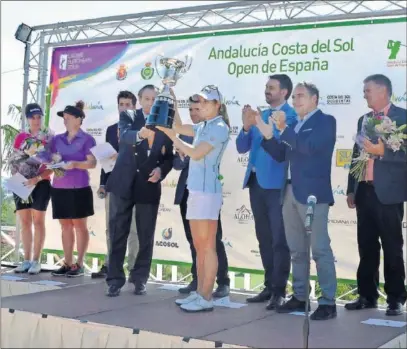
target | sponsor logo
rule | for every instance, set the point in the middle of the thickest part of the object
(183, 103)
(63, 62)
(340, 137)
(95, 132)
(147, 72)
(343, 158)
(339, 191)
(230, 102)
(169, 183)
(163, 209)
(166, 239)
(404, 225)
(234, 130)
(255, 252)
(395, 59)
(225, 193)
(342, 221)
(91, 106)
(121, 72)
(399, 98)
(337, 99)
(227, 243)
(243, 160)
(243, 215)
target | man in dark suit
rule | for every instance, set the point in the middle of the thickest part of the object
(181, 197)
(144, 160)
(379, 199)
(126, 100)
(307, 147)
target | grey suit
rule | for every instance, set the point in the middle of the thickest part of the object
(379, 208)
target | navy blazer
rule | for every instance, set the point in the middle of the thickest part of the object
(389, 172)
(183, 166)
(112, 138)
(129, 178)
(309, 154)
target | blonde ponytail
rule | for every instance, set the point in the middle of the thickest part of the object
(224, 113)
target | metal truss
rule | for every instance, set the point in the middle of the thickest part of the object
(209, 18)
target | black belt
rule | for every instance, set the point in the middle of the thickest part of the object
(288, 181)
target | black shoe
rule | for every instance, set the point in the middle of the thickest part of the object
(292, 305)
(101, 274)
(76, 270)
(361, 303)
(113, 291)
(324, 312)
(275, 302)
(263, 296)
(61, 271)
(221, 291)
(140, 289)
(394, 309)
(188, 289)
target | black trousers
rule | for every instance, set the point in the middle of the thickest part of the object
(379, 223)
(222, 275)
(120, 215)
(268, 221)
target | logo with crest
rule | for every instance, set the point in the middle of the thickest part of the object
(147, 72)
(121, 72)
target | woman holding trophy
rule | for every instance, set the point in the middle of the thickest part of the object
(205, 189)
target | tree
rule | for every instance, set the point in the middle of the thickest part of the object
(9, 133)
(8, 216)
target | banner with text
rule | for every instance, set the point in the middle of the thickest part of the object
(336, 59)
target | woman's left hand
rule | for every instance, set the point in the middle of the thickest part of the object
(168, 131)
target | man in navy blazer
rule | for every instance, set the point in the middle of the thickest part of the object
(307, 148)
(265, 178)
(378, 200)
(181, 197)
(126, 100)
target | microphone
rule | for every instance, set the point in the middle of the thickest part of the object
(309, 217)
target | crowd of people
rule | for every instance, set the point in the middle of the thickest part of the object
(290, 155)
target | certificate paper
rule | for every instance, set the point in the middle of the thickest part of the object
(103, 153)
(15, 185)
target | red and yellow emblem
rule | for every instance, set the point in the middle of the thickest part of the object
(121, 72)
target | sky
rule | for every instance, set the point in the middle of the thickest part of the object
(33, 13)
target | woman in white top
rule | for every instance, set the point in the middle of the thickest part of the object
(205, 189)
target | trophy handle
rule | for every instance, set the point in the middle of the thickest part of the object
(188, 62)
(156, 63)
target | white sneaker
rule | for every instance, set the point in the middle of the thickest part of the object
(23, 267)
(192, 296)
(35, 268)
(200, 304)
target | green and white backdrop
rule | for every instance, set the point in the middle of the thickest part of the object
(336, 57)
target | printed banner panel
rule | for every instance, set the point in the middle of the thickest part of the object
(336, 59)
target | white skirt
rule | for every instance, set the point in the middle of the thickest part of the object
(204, 205)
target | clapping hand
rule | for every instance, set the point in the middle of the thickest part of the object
(145, 133)
(248, 117)
(279, 119)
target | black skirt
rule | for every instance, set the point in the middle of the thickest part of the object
(39, 200)
(72, 203)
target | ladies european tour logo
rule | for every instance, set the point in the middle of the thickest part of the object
(147, 72)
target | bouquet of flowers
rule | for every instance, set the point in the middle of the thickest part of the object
(374, 128)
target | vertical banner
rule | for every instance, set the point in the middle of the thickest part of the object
(336, 59)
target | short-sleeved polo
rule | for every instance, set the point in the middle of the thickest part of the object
(219, 134)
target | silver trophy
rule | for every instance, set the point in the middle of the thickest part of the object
(170, 70)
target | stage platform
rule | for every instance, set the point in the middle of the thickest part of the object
(233, 323)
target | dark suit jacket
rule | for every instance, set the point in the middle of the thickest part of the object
(310, 157)
(111, 137)
(183, 166)
(389, 172)
(129, 178)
